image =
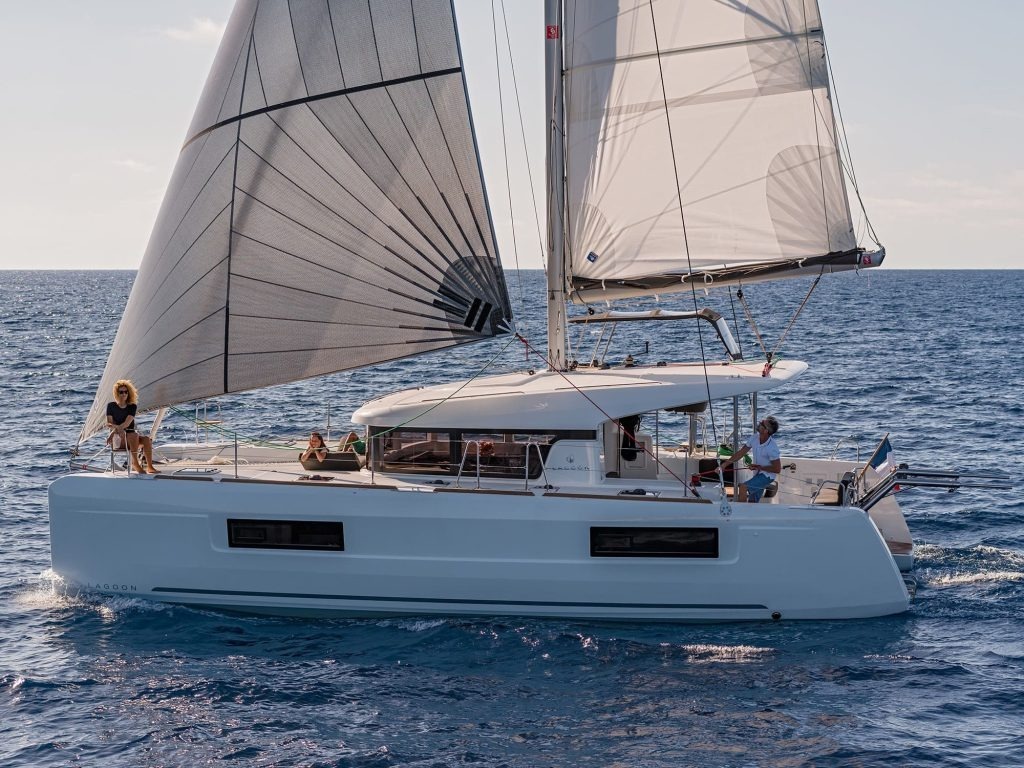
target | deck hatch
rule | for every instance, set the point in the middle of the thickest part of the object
(287, 534)
(653, 542)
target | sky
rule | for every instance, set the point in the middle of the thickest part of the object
(98, 96)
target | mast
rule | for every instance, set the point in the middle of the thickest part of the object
(555, 185)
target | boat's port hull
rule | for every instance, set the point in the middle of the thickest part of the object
(431, 552)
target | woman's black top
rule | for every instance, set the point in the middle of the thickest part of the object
(119, 414)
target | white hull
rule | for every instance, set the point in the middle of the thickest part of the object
(427, 550)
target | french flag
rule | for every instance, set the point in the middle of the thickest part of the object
(880, 460)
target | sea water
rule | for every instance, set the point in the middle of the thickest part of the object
(932, 358)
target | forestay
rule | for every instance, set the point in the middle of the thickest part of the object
(326, 212)
(749, 123)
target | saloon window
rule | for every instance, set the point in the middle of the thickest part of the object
(654, 542)
(287, 534)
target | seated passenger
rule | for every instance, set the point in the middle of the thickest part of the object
(121, 422)
(317, 449)
(352, 442)
(767, 460)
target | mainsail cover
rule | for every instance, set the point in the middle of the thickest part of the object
(749, 125)
(327, 210)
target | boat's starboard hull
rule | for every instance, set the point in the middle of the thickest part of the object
(429, 551)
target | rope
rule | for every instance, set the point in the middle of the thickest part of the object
(796, 314)
(751, 321)
(682, 219)
(845, 146)
(522, 132)
(504, 146)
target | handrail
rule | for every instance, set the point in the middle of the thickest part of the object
(951, 480)
(462, 462)
(846, 439)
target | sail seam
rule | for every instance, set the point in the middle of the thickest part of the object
(476, 278)
(231, 217)
(184, 216)
(398, 209)
(358, 229)
(331, 241)
(321, 96)
(410, 297)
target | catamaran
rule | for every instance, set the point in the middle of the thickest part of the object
(328, 212)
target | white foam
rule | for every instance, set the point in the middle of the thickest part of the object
(954, 579)
(742, 653)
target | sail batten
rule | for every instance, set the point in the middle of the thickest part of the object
(700, 141)
(327, 210)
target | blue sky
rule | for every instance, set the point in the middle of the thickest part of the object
(99, 95)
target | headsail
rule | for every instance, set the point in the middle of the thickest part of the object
(326, 212)
(752, 134)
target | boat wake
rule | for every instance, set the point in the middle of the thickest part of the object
(980, 564)
(701, 653)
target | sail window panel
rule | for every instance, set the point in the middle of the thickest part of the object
(222, 92)
(395, 35)
(436, 35)
(356, 42)
(317, 47)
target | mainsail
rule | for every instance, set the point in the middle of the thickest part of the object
(326, 212)
(737, 94)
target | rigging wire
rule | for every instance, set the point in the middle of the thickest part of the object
(682, 217)
(792, 321)
(815, 111)
(271, 444)
(845, 145)
(504, 149)
(522, 132)
(752, 322)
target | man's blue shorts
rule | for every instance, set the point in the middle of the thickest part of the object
(756, 486)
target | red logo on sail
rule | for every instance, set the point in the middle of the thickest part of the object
(553, 31)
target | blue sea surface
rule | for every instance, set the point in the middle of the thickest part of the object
(933, 358)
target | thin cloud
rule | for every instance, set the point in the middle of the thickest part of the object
(134, 165)
(204, 30)
(931, 194)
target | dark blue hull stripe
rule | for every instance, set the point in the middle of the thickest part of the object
(459, 601)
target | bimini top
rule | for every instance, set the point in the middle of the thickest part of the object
(578, 400)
